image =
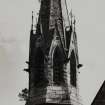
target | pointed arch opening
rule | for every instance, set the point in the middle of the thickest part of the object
(58, 72)
(73, 75)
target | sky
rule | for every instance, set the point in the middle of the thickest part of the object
(15, 24)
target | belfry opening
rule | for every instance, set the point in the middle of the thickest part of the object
(73, 69)
(58, 73)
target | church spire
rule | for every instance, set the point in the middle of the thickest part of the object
(53, 68)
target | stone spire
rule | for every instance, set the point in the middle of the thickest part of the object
(53, 57)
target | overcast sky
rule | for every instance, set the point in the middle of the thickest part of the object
(15, 22)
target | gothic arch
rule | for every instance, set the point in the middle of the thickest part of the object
(73, 75)
(58, 73)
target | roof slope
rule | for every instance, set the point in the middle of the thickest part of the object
(100, 97)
